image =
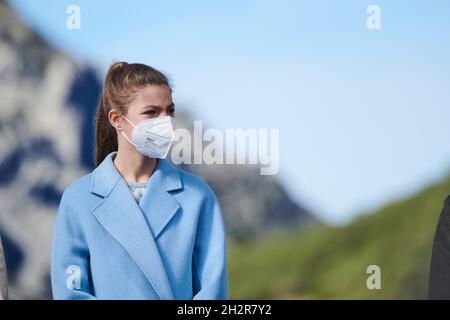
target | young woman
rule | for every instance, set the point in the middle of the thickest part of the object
(137, 227)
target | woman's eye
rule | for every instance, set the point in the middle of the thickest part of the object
(151, 113)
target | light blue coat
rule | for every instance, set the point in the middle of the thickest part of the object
(172, 245)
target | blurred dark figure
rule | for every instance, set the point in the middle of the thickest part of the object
(3, 277)
(439, 285)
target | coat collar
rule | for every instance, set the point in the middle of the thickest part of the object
(105, 176)
(137, 226)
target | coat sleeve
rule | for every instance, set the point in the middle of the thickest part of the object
(439, 284)
(3, 275)
(210, 278)
(70, 274)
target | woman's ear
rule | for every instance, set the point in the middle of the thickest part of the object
(115, 118)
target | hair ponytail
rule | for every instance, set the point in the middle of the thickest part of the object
(121, 81)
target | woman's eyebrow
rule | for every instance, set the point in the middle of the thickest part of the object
(158, 107)
(151, 106)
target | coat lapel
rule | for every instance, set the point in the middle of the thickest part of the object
(157, 204)
(137, 227)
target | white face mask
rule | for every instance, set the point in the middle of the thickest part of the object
(152, 137)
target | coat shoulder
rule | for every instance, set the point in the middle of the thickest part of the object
(447, 201)
(77, 191)
(196, 184)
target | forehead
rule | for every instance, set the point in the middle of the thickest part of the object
(152, 94)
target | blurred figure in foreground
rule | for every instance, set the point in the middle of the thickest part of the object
(439, 285)
(3, 277)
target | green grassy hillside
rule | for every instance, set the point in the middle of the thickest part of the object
(330, 263)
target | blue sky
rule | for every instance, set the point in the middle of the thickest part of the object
(363, 114)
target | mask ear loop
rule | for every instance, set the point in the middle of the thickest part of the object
(129, 121)
(123, 133)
